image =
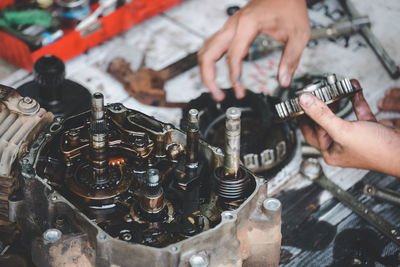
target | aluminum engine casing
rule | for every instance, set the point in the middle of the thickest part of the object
(249, 235)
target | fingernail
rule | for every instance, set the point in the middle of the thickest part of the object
(240, 93)
(218, 95)
(306, 100)
(380, 103)
(284, 79)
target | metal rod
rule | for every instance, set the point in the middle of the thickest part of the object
(192, 139)
(382, 194)
(232, 141)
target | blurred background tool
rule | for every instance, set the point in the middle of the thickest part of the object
(147, 85)
(106, 6)
(372, 40)
(384, 194)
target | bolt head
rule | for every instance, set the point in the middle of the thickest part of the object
(52, 235)
(198, 260)
(193, 115)
(27, 100)
(272, 204)
(153, 177)
(233, 113)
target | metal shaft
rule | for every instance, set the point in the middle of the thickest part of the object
(98, 139)
(97, 106)
(366, 32)
(192, 141)
(382, 194)
(232, 142)
(153, 194)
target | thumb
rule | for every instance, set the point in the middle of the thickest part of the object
(319, 112)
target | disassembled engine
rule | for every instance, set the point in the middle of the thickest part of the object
(114, 187)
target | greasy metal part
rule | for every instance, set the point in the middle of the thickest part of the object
(138, 217)
(372, 40)
(192, 143)
(384, 194)
(98, 140)
(153, 194)
(232, 142)
(147, 85)
(329, 90)
(312, 169)
(21, 119)
(264, 45)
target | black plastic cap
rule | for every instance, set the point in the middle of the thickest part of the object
(49, 71)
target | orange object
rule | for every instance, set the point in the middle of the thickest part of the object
(117, 161)
(73, 42)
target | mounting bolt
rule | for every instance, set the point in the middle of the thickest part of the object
(272, 204)
(27, 100)
(52, 235)
(153, 177)
(198, 260)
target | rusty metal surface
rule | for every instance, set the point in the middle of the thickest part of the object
(147, 85)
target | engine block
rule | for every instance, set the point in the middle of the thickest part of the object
(115, 187)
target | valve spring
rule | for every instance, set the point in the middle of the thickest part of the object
(232, 188)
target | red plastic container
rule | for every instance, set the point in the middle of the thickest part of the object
(73, 42)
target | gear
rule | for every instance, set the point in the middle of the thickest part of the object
(329, 90)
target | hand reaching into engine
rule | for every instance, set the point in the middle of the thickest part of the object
(363, 144)
(283, 20)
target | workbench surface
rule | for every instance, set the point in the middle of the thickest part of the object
(317, 230)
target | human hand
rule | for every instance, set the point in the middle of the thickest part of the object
(283, 20)
(363, 144)
(391, 102)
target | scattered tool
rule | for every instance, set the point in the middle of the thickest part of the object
(104, 6)
(371, 39)
(382, 194)
(147, 85)
(311, 168)
(263, 45)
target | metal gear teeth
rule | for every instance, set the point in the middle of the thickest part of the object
(328, 94)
